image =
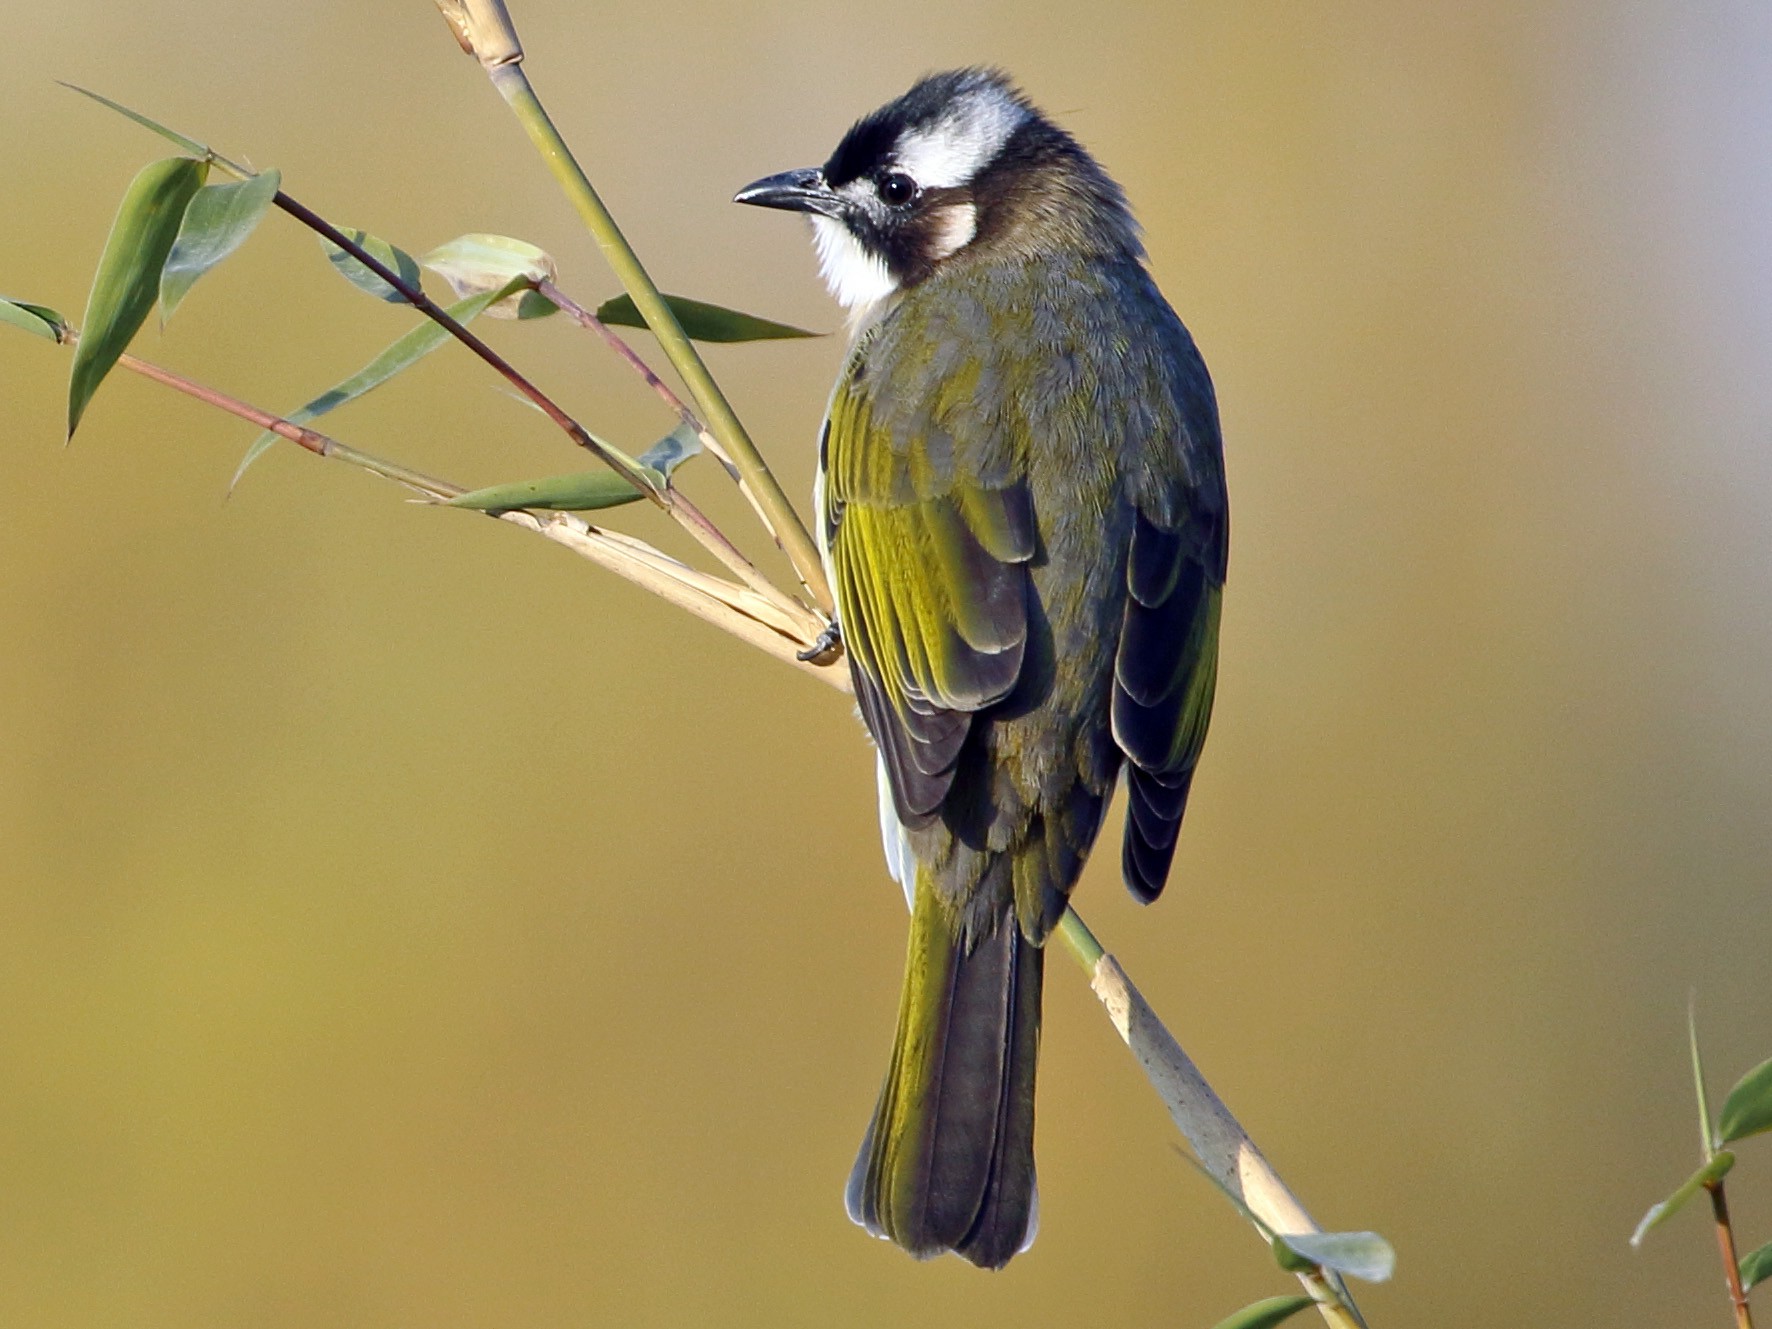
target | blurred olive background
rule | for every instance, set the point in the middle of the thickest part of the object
(405, 924)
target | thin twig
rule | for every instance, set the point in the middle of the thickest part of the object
(590, 322)
(740, 611)
(321, 445)
(1719, 1205)
(714, 601)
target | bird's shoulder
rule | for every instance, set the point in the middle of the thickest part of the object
(986, 365)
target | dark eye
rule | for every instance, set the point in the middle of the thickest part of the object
(897, 189)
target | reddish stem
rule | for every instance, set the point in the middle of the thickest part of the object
(1719, 1205)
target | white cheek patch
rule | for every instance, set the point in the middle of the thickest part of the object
(855, 277)
(951, 151)
(952, 229)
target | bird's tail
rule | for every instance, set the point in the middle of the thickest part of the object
(948, 1163)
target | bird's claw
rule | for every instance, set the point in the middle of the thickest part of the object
(829, 642)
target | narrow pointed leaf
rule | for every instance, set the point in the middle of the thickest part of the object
(190, 145)
(1748, 1109)
(40, 319)
(1756, 1267)
(584, 491)
(702, 321)
(400, 355)
(1707, 1134)
(216, 224)
(1363, 1255)
(1715, 1170)
(1266, 1314)
(475, 263)
(128, 276)
(587, 491)
(404, 265)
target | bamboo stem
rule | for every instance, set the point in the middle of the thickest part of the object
(1719, 1205)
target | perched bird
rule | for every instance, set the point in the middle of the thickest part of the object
(1021, 506)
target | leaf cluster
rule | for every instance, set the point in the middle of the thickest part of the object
(1746, 1112)
(173, 226)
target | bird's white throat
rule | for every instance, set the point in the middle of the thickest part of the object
(857, 279)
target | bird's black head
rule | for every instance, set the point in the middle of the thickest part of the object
(961, 164)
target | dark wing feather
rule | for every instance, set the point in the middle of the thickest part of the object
(1164, 675)
(928, 548)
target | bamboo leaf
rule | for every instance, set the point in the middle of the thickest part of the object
(38, 319)
(583, 491)
(586, 491)
(1713, 1171)
(702, 321)
(1756, 1267)
(128, 276)
(1266, 1314)
(217, 223)
(404, 265)
(475, 263)
(190, 145)
(1363, 1255)
(1748, 1109)
(1707, 1135)
(398, 356)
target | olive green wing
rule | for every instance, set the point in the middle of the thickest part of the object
(928, 532)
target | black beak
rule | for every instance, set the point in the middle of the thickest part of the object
(795, 191)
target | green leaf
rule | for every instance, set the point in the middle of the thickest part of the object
(400, 355)
(1715, 1170)
(1266, 1314)
(128, 276)
(586, 491)
(216, 224)
(475, 263)
(1756, 1267)
(190, 145)
(1706, 1133)
(402, 264)
(1748, 1109)
(1364, 1255)
(702, 322)
(583, 491)
(40, 319)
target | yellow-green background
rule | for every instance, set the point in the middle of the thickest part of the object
(404, 924)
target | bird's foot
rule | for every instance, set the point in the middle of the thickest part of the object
(829, 642)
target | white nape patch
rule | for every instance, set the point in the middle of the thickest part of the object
(899, 860)
(955, 225)
(857, 279)
(953, 149)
